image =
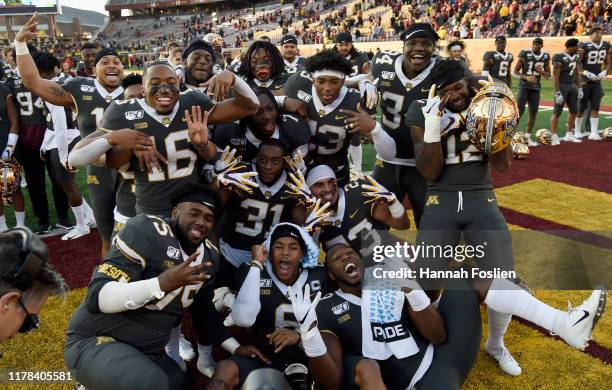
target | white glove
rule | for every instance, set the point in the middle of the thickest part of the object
(303, 309)
(432, 114)
(239, 181)
(589, 75)
(602, 75)
(300, 190)
(227, 162)
(223, 299)
(580, 93)
(368, 90)
(558, 97)
(317, 217)
(376, 191)
(7, 153)
(296, 163)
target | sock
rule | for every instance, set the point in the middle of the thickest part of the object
(498, 324)
(205, 353)
(578, 126)
(172, 348)
(594, 124)
(506, 297)
(79, 215)
(20, 217)
(3, 226)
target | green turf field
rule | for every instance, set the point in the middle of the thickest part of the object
(542, 121)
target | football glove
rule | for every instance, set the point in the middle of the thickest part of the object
(590, 76)
(432, 113)
(223, 299)
(239, 181)
(369, 92)
(580, 93)
(227, 162)
(317, 217)
(558, 97)
(296, 163)
(602, 75)
(8, 153)
(300, 190)
(376, 192)
(303, 308)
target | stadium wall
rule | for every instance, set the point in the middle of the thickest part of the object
(474, 50)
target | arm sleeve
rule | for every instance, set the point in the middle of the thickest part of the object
(247, 304)
(384, 144)
(356, 156)
(111, 118)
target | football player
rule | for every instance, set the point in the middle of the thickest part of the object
(360, 64)
(268, 122)
(116, 337)
(594, 65)
(455, 51)
(332, 335)
(288, 258)
(567, 86)
(217, 42)
(251, 212)
(89, 98)
(461, 201)
(263, 66)
(60, 137)
(199, 58)
(181, 143)
(321, 87)
(401, 78)
(499, 62)
(88, 56)
(289, 50)
(530, 67)
(9, 134)
(360, 210)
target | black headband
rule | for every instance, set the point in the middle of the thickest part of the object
(199, 44)
(202, 198)
(450, 77)
(288, 231)
(420, 30)
(107, 51)
(289, 39)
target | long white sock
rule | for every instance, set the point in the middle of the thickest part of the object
(87, 208)
(3, 226)
(498, 324)
(594, 124)
(20, 218)
(205, 353)
(506, 297)
(578, 126)
(79, 215)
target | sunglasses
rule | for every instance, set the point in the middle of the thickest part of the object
(31, 321)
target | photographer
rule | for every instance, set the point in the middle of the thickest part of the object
(26, 280)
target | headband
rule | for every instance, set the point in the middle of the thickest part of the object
(202, 198)
(328, 72)
(455, 48)
(318, 173)
(450, 77)
(288, 231)
(107, 51)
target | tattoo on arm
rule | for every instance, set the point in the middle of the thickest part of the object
(58, 91)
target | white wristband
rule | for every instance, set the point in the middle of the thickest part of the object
(418, 300)
(242, 88)
(484, 73)
(21, 48)
(280, 101)
(12, 139)
(230, 345)
(397, 209)
(432, 130)
(313, 343)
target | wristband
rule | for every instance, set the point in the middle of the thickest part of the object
(397, 209)
(484, 73)
(243, 89)
(418, 300)
(21, 48)
(280, 101)
(256, 264)
(12, 139)
(432, 130)
(313, 343)
(230, 345)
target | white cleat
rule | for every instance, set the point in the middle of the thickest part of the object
(581, 320)
(505, 360)
(569, 137)
(186, 349)
(594, 136)
(555, 140)
(531, 143)
(206, 366)
(76, 232)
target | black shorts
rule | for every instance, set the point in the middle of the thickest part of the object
(403, 180)
(104, 363)
(570, 98)
(100, 183)
(478, 221)
(58, 172)
(592, 95)
(247, 365)
(531, 97)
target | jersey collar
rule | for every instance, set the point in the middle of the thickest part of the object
(164, 120)
(284, 289)
(294, 63)
(336, 219)
(411, 83)
(200, 250)
(108, 96)
(252, 138)
(268, 192)
(571, 58)
(597, 46)
(355, 300)
(537, 57)
(322, 109)
(265, 84)
(503, 55)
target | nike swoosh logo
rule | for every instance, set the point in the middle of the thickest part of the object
(490, 200)
(585, 315)
(278, 86)
(352, 215)
(340, 117)
(424, 89)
